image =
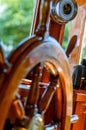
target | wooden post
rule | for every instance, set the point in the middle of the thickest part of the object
(56, 30)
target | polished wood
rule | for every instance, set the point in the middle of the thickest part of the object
(56, 30)
(79, 109)
(71, 45)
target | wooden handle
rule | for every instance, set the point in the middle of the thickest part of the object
(44, 17)
(71, 45)
(47, 95)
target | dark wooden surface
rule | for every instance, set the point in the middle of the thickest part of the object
(79, 109)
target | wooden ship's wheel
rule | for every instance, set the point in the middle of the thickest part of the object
(35, 82)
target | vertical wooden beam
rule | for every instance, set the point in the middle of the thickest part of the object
(36, 16)
(56, 30)
(77, 28)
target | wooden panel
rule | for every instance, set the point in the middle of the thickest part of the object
(80, 110)
(80, 95)
(77, 28)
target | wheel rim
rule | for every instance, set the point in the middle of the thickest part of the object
(31, 57)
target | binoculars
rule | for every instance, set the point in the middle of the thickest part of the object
(79, 76)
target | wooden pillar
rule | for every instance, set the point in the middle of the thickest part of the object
(77, 28)
(57, 31)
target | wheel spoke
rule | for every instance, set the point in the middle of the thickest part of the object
(33, 96)
(48, 94)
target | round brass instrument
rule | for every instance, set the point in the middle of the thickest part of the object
(63, 11)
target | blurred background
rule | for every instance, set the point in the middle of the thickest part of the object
(15, 22)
